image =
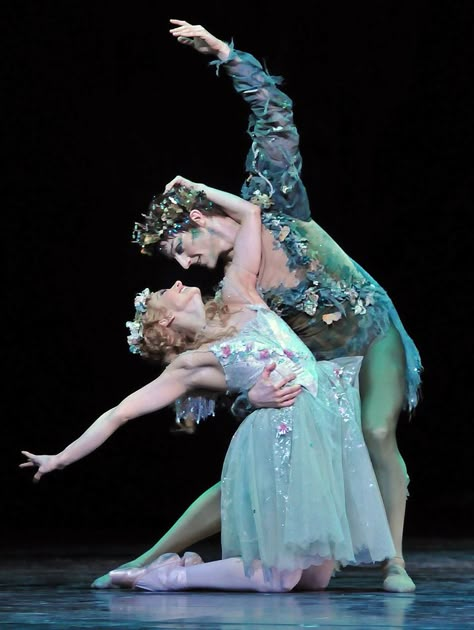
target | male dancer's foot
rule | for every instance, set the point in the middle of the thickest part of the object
(397, 579)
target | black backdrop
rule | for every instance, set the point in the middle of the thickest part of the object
(103, 108)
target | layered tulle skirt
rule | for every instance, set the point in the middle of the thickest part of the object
(298, 486)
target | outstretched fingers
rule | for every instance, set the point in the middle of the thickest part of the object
(30, 462)
(44, 463)
(185, 29)
(179, 22)
(199, 38)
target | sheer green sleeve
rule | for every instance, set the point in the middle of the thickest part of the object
(274, 162)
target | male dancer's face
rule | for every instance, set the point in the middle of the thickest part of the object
(200, 246)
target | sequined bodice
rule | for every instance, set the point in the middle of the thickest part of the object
(265, 339)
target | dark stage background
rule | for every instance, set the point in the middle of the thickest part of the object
(104, 108)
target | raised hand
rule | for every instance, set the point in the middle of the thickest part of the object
(44, 463)
(266, 393)
(199, 38)
(181, 181)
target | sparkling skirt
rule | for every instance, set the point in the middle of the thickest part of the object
(298, 486)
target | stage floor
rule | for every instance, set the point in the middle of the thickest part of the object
(47, 586)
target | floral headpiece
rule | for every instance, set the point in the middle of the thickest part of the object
(168, 215)
(136, 326)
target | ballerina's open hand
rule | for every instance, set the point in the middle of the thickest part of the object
(44, 463)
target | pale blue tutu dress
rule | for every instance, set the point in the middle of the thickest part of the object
(298, 485)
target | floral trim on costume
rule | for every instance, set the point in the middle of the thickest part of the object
(309, 294)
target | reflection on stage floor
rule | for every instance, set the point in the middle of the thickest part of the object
(48, 586)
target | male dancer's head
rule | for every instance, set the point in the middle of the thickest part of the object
(184, 225)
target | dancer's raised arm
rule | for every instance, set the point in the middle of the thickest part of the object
(274, 162)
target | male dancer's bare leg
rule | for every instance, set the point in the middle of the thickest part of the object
(201, 520)
(382, 382)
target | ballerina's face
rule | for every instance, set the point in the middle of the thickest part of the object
(178, 299)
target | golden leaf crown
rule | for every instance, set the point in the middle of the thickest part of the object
(168, 215)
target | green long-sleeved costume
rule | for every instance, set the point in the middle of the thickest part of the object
(330, 301)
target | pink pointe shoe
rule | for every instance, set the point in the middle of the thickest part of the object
(169, 577)
(126, 578)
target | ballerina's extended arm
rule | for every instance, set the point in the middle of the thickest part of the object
(193, 370)
(188, 372)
